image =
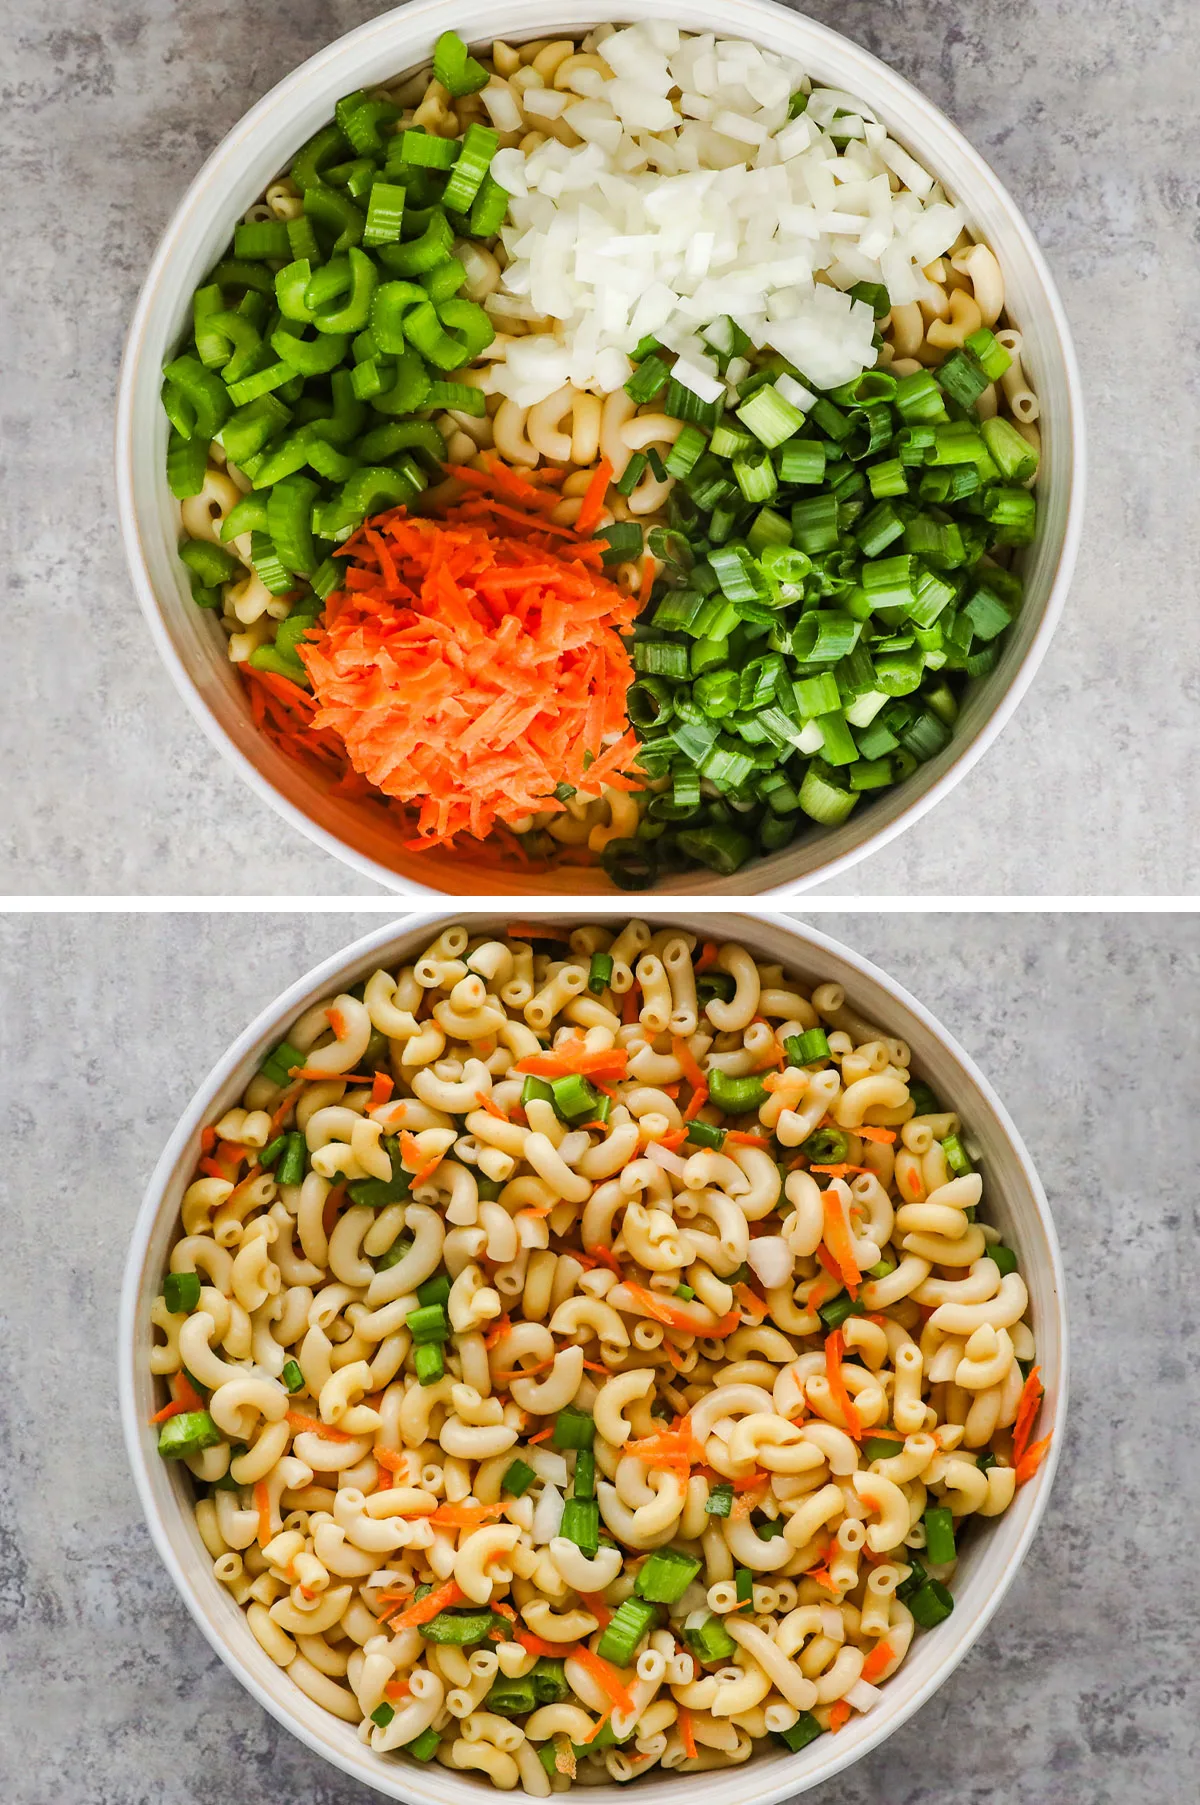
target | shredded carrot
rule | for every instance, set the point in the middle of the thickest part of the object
(425, 1609)
(397, 1689)
(646, 586)
(698, 1099)
(505, 1610)
(390, 1459)
(876, 1661)
(884, 1135)
(687, 1734)
(333, 1203)
(524, 1372)
(631, 1005)
(530, 930)
(300, 1424)
(709, 955)
(740, 1138)
(596, 1728)
(839, 1715)
(593, 1602)
(589, 514)
(837, 1384)
(675, 1318)
(594, 1366)
(840, 1241)
(315, 1075)
(491, 1106)
(822, 1576)
(497, 1332)
(262, 1504)
(168, 1410)
(208, 1139)
(568, 1061)
(465, 1516)
(536, 1645)
(471, 662)
(337, 1022)
(674, 1140)
(604, 1256)
(542, 1434)
(689, 1064)
(385, 1481)
(842, 1171)
(382, 1086)
(606, 1677)
(1028, 1405)
(184, 1396)
(750, 1301)
(1032, 1459)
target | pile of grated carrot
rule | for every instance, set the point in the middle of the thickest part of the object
(470, 663)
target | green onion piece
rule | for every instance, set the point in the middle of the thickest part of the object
(880, 1447)
(536, 1090)
(912, 1582)
(684, 1291)
(375, 1193)
(428, 1324)
(815, 524)
(292, 1376)
(744, 1581)
(549, 1681)
(181, 1292)
(425, 1746)
(834, 1313)
(584, 1485)
(735, 1096)
(963, 377)
(456, 68)
(990, 352)
(932, 1604)
(271, 1152)
(620, 541)
(581, 1524)
(767, 1532)
(707, 1637)
(802, 461)
(704, 1134)
(630, 1622)
(573, 1429)
(880, 1269)
(770, 417)
(1015, 458)
(188, 1433)
(518, 1479)
(957, 1157)
(600, 973)
(648, 380)
(429, 1362)
(293, 1161)
(806, 1729)
(458, 1629)
(918, 399)
(719, 1502)
(434, 1291)
(807, 1048)
(281, 1062)
(823, 800)
(826, 1147)
(383, 1715)
(939, 1535)
(574, 1098)
(688, 448)
(1004, 1257)
(630, 477)
(512, 1698)
(754, 474)
(666, 1576)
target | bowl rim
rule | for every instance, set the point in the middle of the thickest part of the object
(215, 171)
(277, 1014)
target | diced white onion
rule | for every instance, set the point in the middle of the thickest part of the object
(862, 1695)
(662, 1156)
(691, 196)
(770, 1258)
(548, 1515)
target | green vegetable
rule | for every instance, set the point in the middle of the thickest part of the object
(188, 1433)
(518, 1479)
(632, 1620)
(181, 1292)
(573, 1429)
(666, 1575)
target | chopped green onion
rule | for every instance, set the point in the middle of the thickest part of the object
(434, 1291)
(931, 1605)
(518, 1479)
(770, 417)
(648, 380)
(293, 1162)
(719, 1502)
(807, 1048)
(425, 1746)
(735, 1096)
(806, 1729)
(600, 973)
(581, 1524)
(181, 1292)
(704, 1134)
(708, 1638)
(429, 1362)
(584, 1483)
(957, 1157)
(633, 1619)
(573, 1429)
(293, 1378)
(186, 1434)
(939, 1535)
(427, 1324)
(666, 1575)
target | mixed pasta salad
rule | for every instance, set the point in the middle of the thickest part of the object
(589, 1352)
(614, 447)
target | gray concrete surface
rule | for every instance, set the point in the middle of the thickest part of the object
(110, 106)
(1083, 1689)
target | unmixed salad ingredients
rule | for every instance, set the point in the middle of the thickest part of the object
(704, 322)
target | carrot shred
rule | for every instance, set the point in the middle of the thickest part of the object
(596, 1728)
(568, 1061)
(837, 1384)
(709, 954)
(184, 1397)
(675, 1318)
(593, 1602)
(674, 1140)
(301, 1424)
(537, 1645)
(884, 1135)
(842, 1171)
(465, 1516)
(168, 1410)
(541, 1434)
(491, 1106)
(333, 1204)
(397, 1689)
(1032, 1459)
(876, 1661)
(337, 1022)
(741, 1138)
(1028, 1405)
(390, 1459)
(689, 1064)
(687, 1733)
(382, 1086)
(470, 663)
(524, 1372)
(606, 1677)
(839, 1240)
(839, 1715)
(631, 1005)
(593, 498)
(262, 1504)
(425, 1609)
(529, 930)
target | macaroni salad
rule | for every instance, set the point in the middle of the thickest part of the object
(588, 1350)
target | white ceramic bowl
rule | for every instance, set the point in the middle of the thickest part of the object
(235, 176)
(1016, 1203)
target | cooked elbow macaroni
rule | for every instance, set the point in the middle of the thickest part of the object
(797, 1353)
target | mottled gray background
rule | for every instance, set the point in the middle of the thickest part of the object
(1087, 112)
(1084, 1689)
